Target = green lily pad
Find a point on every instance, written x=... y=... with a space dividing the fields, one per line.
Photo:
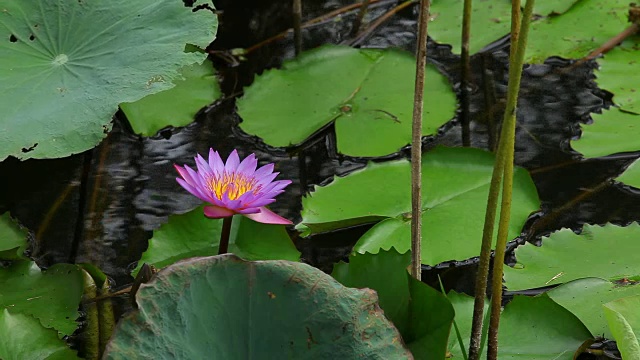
x=553 y=7
x=585 y=297
x=568 y=36
x=177 y=106
x=532 y=328
x=367 y=92
x=617 y=74
x=422 y=314
x=13 y=239
x=455 y=190
x=624 y=321
x=599 y=251
x=66 y=65
x=192 y=234
x=490 y=20
x=613 y=131
x=51 y=296
x=236 y=309
x=22 y=337
x=463 y=306
x=631 y=176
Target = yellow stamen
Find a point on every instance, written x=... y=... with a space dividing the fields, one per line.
x=234 y=184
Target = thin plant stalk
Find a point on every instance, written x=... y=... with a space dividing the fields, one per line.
x=224 y=235
x=515 y=75
x=492 y=206
x=465 y=82
x=297 y=25
x=357 y=24
x=416 y=142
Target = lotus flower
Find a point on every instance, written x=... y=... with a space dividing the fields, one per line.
x=235 y=187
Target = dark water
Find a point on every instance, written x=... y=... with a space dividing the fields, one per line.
x=101 y=206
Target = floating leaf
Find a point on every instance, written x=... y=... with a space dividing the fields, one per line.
x=463 y=306
x=51 y=296
x=239 y=310
x=13 y=239
x=572 y=297
x=532 y=328
x=367 y=92
x=177 y=106
x=66 y=65
x=22 y=337
x=557 y=7
x=599 y=251
x=618 y=74
x=624 y=321
x=631 y=176
x=421 y=314
x=612 y=132
x=192 y=234
x=455 y=187
x=490 y=20
x=568 y=37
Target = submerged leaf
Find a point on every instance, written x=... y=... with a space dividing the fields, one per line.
x=236 y=309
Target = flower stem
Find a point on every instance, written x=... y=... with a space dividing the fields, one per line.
x=224 y=235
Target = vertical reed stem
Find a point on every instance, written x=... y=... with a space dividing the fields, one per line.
x=357 y=24
x=416 y=142
x=509 y=122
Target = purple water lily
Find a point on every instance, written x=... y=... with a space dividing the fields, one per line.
x=235 y=187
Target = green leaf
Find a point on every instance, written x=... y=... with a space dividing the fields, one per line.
x=624 y=322
x=463 y=306
x=612 y=132
x=531 y=328
x=66 y=65
x=236 y=309
x=23 y=338
x=573 y=294
x=631 y=176
x=13 y=239
x=51 y=296
x=568 y=37
x=455 y=190
x=192 y=234
x=618 y=74
x=599 y=251
x=422 y=315
x=177 y=106
x=553 y=7
x=367 y=92
x=490 y=20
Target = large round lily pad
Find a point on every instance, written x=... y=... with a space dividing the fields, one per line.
x=607 y=252
x=624 y=320
x=631 y=176
x=66 y=65
x=367 y=92
x=455 y=190
x=225 y=307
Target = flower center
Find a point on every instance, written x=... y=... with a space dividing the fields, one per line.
x=234 y=185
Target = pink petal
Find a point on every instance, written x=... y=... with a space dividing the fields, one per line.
x=216 y=212
x=263 y=171
x=251 y=210
x=248 y=165
x=203 y=167
x=261 y=202
x=265 y=180
x=267 y=216
x=185 y=175
x=215 y=162
x=232 y=162
x=193 y=190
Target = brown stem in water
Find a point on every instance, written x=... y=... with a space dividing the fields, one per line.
x=297 y=24
x=357 y=24
x=465 y=82
x=379 y=21
x=416 y=142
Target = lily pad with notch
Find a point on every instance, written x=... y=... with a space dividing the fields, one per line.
x=367 y=93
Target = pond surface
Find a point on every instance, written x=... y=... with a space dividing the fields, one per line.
x=101 y=206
